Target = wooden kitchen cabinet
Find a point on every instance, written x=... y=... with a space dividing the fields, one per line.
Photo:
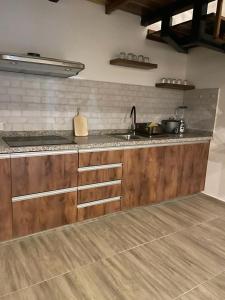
x=99 y=193
x=38 y=173
x=100 y=175
x=195 y=160
x=98 y=210
x=5 y=200
x=100 y=158
x=156 y=174
x=147 y=177
x=37 y=214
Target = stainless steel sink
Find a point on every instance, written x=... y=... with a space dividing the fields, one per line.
x=127 y=137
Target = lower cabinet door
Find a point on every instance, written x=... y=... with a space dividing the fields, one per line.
x=97 y=210
x=143 y=176
x=152 y=175
x=5 y=200
x=193 y=175
x=37 y=214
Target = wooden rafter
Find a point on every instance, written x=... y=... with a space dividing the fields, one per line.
x=216 y=33
x=168 y=35
x=112 y=5
x=200 y=8
x=178 y=6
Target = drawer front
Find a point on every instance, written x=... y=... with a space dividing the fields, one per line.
x=36 y=174
x=100 y=158
x=106 y=173
x=98 y=210
x=98 y=193
x=34 y=215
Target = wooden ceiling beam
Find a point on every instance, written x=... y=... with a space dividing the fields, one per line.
x=112 y=5
x=219 y=10
x=177 y=7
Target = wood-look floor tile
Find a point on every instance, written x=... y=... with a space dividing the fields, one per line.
x=198 y=249
x=123 y=232
x=13 y=273
x=214 y=289
x=166 y=220
x=184 y=210
x=186 y=255
x=183 y=270
x=214 y=205
x=203 y=205
x=162 y=223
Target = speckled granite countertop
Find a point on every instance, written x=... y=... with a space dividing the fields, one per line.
x=102 y=141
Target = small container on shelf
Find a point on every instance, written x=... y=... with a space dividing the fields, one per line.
x=123 y=55
x=140 y=58
x=178 y=84
x=130 y=56
x=163 y=80
x=179 y=81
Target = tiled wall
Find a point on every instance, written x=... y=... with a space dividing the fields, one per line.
x=202 y=104
x=38 y=103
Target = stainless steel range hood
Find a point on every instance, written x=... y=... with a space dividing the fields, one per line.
x=33 y=63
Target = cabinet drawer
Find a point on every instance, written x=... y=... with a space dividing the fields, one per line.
x=42 y=173
x=104 y=173
x=100 y=158
x=97 y=210
x=37 y=214
x=98 y=193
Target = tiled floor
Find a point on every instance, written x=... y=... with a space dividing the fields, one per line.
x=171 y=251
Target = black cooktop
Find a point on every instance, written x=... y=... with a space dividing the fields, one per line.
x=24 y=141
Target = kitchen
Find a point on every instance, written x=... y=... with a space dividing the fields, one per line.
x=113 y=177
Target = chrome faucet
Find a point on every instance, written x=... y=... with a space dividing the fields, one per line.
x=133 y=116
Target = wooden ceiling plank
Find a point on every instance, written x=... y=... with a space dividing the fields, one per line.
x=144 y=5
x=112 y=5
x=178 y=6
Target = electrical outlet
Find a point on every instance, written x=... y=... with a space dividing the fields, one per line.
x=1 y=126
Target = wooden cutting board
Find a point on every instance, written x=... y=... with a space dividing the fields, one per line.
x=80 y=125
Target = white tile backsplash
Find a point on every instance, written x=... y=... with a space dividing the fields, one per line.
x=40 y=103
x=202 y=105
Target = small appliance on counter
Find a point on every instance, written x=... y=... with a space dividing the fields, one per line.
x=180 y=111
x=149 y=129
x=171 y=125
x=175 y=124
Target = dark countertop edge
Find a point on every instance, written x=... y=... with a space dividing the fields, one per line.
x=5 y=149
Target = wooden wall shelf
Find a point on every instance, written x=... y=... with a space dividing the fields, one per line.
x=132 y=64
x=183 y=87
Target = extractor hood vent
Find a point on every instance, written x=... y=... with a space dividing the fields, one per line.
x=33 y=63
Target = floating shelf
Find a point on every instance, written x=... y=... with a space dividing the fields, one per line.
x=132 y=64
x=183 y=87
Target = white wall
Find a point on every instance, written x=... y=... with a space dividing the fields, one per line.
x=80 y=30
x=207 y=69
